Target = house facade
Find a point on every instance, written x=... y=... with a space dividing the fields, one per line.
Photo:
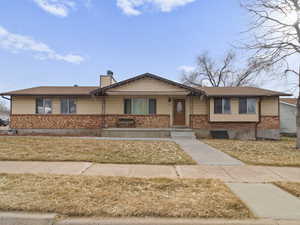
x=288 y=113
x=151 y=102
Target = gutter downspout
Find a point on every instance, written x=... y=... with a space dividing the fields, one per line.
x=259 y=117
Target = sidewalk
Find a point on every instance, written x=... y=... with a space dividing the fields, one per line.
x=233 y=174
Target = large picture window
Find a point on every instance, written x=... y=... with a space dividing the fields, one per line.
x=67 y=106
x=222 y=106
x=139 y=106
x=247 y=105
x=43 y=106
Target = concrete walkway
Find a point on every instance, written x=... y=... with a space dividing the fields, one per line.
x=268 y=201
x=235 y=174
x=205 y=154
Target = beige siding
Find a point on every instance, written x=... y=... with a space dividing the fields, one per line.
x=234 y=116
x=269 y=106
x=149 y=85
x=199 y=105
x=23 y=105
x=26 y=105
x=89 y=105
x=114 y=105
x=163 y=105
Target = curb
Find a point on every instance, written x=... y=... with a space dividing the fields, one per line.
x=18 y=218
x=166 y=221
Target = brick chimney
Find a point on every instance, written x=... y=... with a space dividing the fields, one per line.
x=108 y=79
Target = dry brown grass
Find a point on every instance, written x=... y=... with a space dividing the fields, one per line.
x=119 y=196
x=99 y=151
x=291 y=187
x=270 y=153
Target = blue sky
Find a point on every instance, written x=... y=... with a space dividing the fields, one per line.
x=66 y=42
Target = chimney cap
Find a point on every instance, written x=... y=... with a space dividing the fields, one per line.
x=109 y=72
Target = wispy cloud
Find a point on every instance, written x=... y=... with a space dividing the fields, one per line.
x=59 y=8
x=17 y=43
x=134 y=7
x=186 y=69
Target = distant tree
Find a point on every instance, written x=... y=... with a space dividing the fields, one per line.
x=209 y=72
x=275 y=38
x=3 y=107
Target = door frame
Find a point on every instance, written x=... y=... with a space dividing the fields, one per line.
x=173 y=112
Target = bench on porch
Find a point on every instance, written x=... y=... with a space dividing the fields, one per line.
x=125 y=122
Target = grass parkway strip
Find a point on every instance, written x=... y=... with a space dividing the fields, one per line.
x=120 y=197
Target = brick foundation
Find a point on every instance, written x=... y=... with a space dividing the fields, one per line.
x=55 y=121
x=84 y=121
x=202 y=122
x=141 y=121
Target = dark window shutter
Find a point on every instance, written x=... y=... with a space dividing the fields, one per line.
x=218 y=105
x=152 y=106
x=127 y=106
x=243 y=105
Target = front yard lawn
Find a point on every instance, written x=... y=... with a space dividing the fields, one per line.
x=119 y=196
x=98 y=151
x=268 y=153
x=291 y=187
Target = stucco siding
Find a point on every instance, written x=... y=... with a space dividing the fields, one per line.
x=234 y=116
x=269 y=106
x=288 y=118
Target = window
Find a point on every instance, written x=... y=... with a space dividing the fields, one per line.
x=139 y=106
x=222 y=106
x=43 y=106
x=247 y=105
x=67 y=106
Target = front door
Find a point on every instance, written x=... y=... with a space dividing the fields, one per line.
x=179 y=112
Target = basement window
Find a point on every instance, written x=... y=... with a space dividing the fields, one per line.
x=139 y=106
x=43 y=106
x=67 y=106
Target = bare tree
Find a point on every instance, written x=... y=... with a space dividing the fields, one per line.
x=208 y=72
x=275 y=37
x=3 y=107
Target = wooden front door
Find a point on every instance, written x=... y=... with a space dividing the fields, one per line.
x=179 y=112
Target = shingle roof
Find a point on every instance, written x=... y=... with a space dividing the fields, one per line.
x=292 y=101
x=240 y=91
x=53 y=90
x=208 y=91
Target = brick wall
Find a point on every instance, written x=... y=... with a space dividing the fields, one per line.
x=269 y=122
x=84 y=121
x=55 y=121
x=141 y=121
x=201 y=122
